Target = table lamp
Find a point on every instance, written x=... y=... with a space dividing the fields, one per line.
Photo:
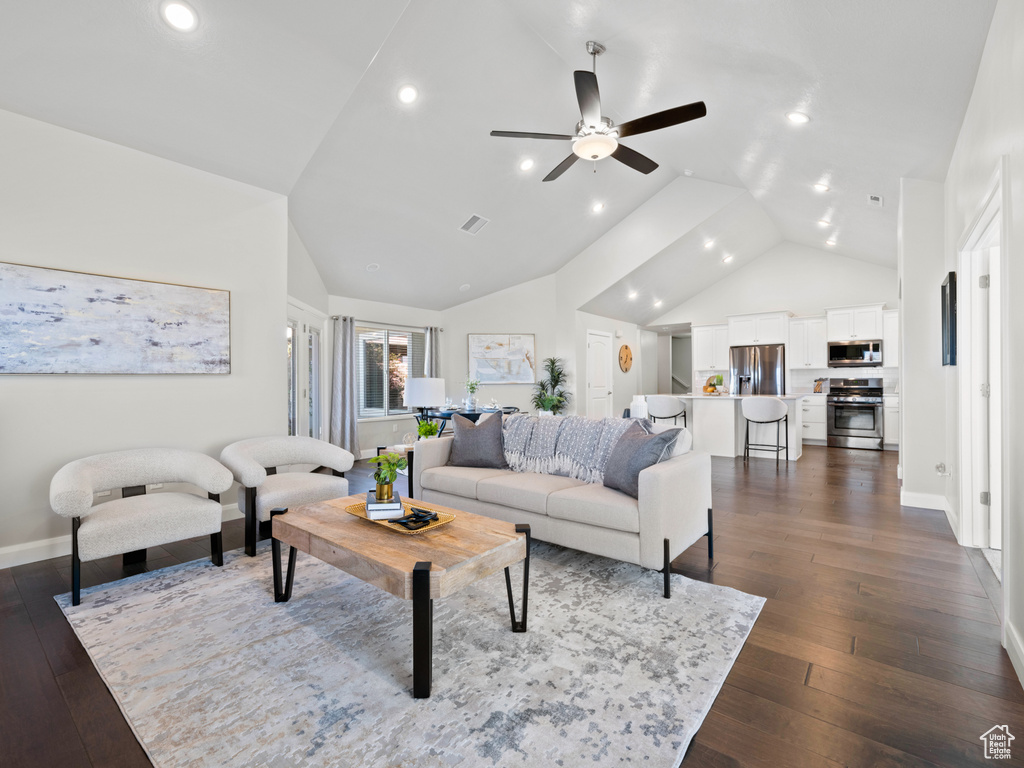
x=423 y=393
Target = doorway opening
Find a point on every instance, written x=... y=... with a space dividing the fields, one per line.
x=599 y=374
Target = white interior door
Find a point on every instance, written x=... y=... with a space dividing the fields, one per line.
x=995 y=401
x=306 y=372
x=980 y=395
x=599 y=374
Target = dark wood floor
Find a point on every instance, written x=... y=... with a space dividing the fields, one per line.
x=878 y=644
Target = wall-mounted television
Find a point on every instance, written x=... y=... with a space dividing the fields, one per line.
x=949 y=319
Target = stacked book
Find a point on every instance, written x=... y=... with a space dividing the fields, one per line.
x=388 y=509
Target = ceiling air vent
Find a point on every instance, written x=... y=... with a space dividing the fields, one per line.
x=474 y=224
x=875 y=201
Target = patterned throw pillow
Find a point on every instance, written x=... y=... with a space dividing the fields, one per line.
x=634 y=452
x=477 y=445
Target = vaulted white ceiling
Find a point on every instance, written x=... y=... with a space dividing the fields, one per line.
x=300 y=98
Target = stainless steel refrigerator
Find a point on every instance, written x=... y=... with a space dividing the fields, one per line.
x=757 y=370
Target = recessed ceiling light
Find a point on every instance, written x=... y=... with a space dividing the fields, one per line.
x=526 y=165
x=821 y=187
x=597 y=207
x=823 y=222
x=464 y=287
x=687 y=172
x=632 y=295
x=179 y=15
x=657 y=303
x=708 y=243
x=830 y=241
x=726 y=259
x=372 y=267
x=798 y=117
x=407 y=94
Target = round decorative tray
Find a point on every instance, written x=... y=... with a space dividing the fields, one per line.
x=443 y=518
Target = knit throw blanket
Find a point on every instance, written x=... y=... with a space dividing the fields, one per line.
x=573 y=446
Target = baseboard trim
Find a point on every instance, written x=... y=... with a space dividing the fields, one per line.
x=923 y=500
x=1015 y=649
x=59 y=546
x=34 y=551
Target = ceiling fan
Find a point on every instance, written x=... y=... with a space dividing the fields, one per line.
x=597 y=137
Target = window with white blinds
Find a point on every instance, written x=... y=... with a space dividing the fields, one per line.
x=385 y=358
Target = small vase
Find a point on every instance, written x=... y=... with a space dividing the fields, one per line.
x=470 y=403
x=384 y=492
x=545 y=413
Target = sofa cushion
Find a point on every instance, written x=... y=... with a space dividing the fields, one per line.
x=479 y=444
x=596 y=505
x=459 y=481
x=523 y=490
x=635 y=452
x=290 y=489
x=138 y=522
x=683 y=444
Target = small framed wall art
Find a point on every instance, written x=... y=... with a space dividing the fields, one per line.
x=57 y=321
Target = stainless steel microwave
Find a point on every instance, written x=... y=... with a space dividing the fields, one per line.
x=855 y=354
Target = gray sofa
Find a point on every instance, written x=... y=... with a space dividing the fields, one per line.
x=672 y=512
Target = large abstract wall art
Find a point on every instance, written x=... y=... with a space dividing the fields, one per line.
x=54 y=321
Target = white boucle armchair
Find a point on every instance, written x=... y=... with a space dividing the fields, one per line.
x=127 y=526
x=254 y=463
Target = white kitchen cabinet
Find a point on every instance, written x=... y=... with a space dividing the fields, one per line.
x=815 y=413
x=764 y=328
x=891 y=338
x=807 y=346
x=710 y=348
x=891 y=419
x=854 y=323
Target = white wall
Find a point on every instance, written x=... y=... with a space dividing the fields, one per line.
x=304 y=281
x=923 y=398
x=993 y=128
x=790 y=277
x=648 y=362
x=71 y=201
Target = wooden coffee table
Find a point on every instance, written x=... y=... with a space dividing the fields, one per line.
x=421 y=568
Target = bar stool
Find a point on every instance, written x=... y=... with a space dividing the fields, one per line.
x=665 y=407
x=761 y=409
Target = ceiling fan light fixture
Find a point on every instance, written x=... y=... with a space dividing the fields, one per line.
x=594 y=146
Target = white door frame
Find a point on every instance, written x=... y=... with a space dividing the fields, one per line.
x=305 y=316
x=989 y=227
x=611 y=388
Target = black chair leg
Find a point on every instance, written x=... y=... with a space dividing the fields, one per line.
x=251 y=524
x=711 y=534
x=778 y=442
x=668 y=571
x=746 y=444
x=217 y=548
x=76 y=564
x=787 y=439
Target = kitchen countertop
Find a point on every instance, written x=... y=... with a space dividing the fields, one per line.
x=738 y=397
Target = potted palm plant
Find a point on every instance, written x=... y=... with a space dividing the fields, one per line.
x=551 y=394
x=388 y=465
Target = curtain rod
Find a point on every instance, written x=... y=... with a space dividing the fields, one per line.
x=397 y=325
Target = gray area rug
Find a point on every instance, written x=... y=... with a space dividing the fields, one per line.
x=209 y=671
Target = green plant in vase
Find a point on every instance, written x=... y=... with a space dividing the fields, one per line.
x=472 y=387
x=552 y=386
x=388 y=465
x=427 y=428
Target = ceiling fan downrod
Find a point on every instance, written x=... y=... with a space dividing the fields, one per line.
x=595 y=49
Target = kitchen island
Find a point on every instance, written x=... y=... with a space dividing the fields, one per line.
x=718 y=427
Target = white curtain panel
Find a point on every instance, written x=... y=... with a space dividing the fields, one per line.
x=432 y=365
x=344 y=405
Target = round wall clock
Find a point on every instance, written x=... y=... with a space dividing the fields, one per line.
x=625 y=358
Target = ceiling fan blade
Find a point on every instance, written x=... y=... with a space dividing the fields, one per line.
x=664 y=119
x=562 y=167
x=634 y=159
x=588 y=96
x=522 y=135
